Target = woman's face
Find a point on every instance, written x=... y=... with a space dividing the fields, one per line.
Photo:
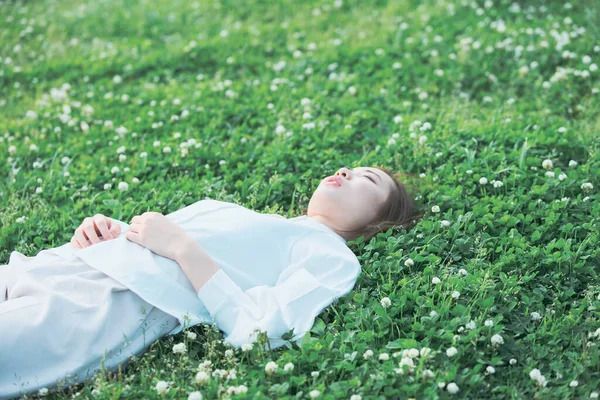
x=353 y=204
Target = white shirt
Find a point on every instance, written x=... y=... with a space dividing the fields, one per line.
x=276 y=273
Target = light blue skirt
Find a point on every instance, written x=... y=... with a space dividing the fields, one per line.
x=60 y=319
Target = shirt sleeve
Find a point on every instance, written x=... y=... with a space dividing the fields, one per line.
x=319 y=271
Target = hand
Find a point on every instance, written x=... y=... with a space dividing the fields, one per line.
x=87 y=233
x=155 y=232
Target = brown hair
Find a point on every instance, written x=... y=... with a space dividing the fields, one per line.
x=400 y=210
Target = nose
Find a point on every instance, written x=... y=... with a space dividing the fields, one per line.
x=345 y=172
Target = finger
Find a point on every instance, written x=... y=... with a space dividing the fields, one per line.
x=136 y=219
x=133 y=236
x=75 y=243
x=135 y=228
x=80 y=237
x=115 y=230
x=100 y=222
x=91 y=234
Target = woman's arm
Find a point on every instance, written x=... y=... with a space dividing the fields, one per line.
x=197 y=265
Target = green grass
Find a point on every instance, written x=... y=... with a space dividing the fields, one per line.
x=528 y=246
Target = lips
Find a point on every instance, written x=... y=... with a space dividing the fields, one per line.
x=335 y=179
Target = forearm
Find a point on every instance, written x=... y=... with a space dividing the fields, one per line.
x=197 y=265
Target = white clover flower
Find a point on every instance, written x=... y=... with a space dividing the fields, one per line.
x=455 y=294
x=535 y=374
x=162 y=387
x=114 y=170
x=368 y=354
x=550 y=174
x=547 y=164
x=497 y=339
x=441 y=385
x=587 y=186
x=573 y=163
x=435 y=280
x=483 y=181
x=43 y=391
x=497 y=184
x=202 y=377
x=489 y=322
x=593 y=68
x=397 y=119
x=384 y=356
x=406 y=361
x=463 y=272
x=469 y=171
x=107 y=186
x=512 y=361
x=195 y=396
x=33 y=147
x=562 y=129
x=179 y=348
x=452 y=388
x=271 y=367
x=413 y=353
x=123 y=186
x=280 y=129
x=305 y=101
x=409 y=262
x=191 y=335
x=562 y=176
x=314 y=374
x=445 y=223
x=288 y=367
x=490 y=369
x=435 y=209
x=594 y=395
x=574 y=383
x=222 y=162
x=386 y=302
x=451 y=352
x=470 y=325
x=247 y=346
x=314 y=394
x=536 y=316
x=425 y=351
x=352 y=90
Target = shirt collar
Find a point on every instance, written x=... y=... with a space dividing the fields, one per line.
x=317 y=224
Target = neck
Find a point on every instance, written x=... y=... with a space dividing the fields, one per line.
x=327 y=223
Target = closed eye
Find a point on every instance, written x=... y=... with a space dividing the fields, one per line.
x=371 y=179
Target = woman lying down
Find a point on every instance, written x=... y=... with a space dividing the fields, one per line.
x=116 y=288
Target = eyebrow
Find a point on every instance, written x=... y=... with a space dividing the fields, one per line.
x=373 y=172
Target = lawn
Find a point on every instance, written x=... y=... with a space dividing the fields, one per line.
x=124 y=106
